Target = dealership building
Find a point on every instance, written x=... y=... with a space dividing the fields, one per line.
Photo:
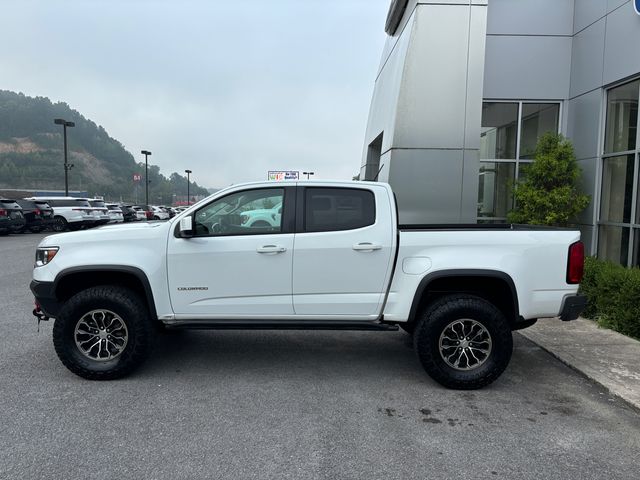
x=465 y=89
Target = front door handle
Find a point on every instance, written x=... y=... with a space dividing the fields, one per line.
x=366 y=247
x=271 y=249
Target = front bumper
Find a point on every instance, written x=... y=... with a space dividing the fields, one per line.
x=572 y=307
x=46 y=297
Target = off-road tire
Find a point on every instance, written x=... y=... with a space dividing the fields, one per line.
x=435 y=319
x=133 y=312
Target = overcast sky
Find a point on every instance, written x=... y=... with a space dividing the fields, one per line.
x=229 y=89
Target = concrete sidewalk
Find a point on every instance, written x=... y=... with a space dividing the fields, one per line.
x=604 y=356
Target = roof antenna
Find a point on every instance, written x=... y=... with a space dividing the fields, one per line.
x=377 y=174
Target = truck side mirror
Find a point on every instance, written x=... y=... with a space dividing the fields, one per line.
x=186 y=227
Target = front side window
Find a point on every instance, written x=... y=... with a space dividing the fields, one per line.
x=334 y=209
x=249 y=212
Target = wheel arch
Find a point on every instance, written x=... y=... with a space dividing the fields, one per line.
x=75 y=279
x=494 y=286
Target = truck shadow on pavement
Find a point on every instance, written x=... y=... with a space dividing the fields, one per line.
x=336 y=353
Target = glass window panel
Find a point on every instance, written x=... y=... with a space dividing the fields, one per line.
x=495 y=192
x=635 y=261
x=617 y=189
x=638 y=195
x=522 y=170
x=248 y=212
x=499 y=131
x=613 y=244
x=334 y=209
x=537 y=119
x=622 y=118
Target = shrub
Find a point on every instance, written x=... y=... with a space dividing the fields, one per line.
x=549 y=193
x=613 y=292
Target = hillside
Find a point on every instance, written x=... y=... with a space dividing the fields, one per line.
x=31 y=154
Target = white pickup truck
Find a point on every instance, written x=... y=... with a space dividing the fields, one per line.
x=336 y=259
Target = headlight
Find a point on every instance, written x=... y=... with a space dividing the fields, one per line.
x=44 y=255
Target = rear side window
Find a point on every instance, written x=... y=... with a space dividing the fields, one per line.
x=331 y=209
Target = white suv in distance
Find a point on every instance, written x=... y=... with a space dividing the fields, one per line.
x=99 y=211
x=141 y=214
x=159 y=213
x=115 y=213
x=69 y=212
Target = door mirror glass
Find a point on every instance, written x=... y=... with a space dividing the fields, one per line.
x=186 y=227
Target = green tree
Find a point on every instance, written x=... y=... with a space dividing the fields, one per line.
x=549 y=193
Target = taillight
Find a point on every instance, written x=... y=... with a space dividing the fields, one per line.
x=37 y=212
x=575 y=265
x=3 y=212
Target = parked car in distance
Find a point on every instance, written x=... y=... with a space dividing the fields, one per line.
x=265 y=217
x=170 y=211
x=11 y=217
x=100 y=211
x=143 y=214
x=115 y=213
x=159 y=213
x=37 y=214
x=128 y=213
x=69 y=212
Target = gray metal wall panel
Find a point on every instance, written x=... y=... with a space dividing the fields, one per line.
x=428 y=185
x=587 y=59
x=588 y=183
x=431 y=106
x=527 y=67
x=391 y=42
x=475 y=77
x=586 y=235
x=384 y=104
x=584 y=123
x=530 y=17
x=469 y=200
x=622 y=55
x=613 y=4
x=587 y=12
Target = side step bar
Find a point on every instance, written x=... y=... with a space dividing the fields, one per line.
x=280 y=325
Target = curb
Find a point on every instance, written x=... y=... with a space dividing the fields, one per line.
x=610 y=387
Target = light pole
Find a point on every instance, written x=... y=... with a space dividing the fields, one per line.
x=188 y=172
x=67 y=166
x=307 y=174
x=146 y=154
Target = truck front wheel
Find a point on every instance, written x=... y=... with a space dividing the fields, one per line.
x=103 y=333
x=463 y=342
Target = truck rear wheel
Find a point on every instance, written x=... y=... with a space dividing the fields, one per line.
x=103 y=333
x=59 y=224
x=463 y=342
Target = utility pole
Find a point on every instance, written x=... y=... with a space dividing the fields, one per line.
x=146 y=154
x=188 y=172
x=67 y=166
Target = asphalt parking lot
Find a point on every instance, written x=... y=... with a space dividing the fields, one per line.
x=334 y=405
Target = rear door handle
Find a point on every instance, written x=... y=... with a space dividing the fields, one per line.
x=366 y=247
x=271 y=249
